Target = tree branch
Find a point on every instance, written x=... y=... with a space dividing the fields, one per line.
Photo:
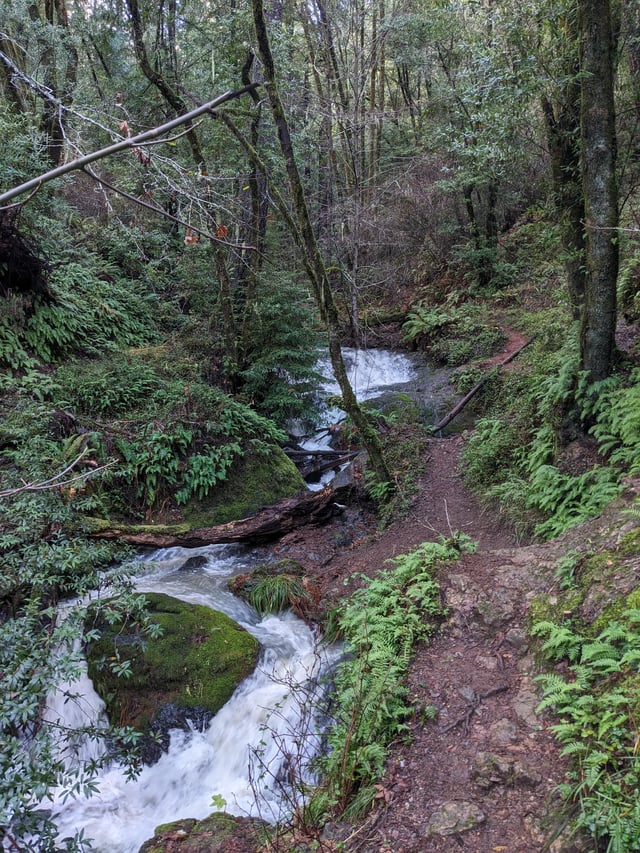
x=56 y=481
x=124 y=144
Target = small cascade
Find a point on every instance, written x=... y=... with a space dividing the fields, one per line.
x=266 y=732
x=74 y=708
x=244 y=756
x=370 y=371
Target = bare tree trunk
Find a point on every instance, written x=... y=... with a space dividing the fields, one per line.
x=597 y=334
x=312 y=258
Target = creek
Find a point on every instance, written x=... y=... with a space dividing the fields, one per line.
x=241 y=758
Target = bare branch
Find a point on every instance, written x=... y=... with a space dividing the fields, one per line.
x=57 y=480
x=154 y=209
x=124 y=144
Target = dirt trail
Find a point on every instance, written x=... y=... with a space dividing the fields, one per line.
x=480 y=776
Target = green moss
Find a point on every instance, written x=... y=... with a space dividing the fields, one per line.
x=99 y=525
x=198 y=661
x=255 y=480
x=614 y=611
x=214 y=834
x=630 y=544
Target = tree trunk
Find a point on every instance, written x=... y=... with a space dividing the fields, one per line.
x=597 y=334
x=562 y=121
x=313 y=261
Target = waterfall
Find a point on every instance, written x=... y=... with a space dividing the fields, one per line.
x=243 y=755
x=265 y=731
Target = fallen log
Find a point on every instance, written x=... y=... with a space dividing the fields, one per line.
x=267 y=524
x=471 y=394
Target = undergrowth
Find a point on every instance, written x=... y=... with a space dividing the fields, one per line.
x=598 y=706
x=381 y=624
x=518 y=456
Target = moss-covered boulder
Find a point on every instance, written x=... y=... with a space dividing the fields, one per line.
x=254 y=480
x=196 y=664
x=219 y=833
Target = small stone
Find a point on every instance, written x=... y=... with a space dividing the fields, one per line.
x=504 y=731
x=525 y=704
x=454 y=817
x=517 y=638
x=489 y=662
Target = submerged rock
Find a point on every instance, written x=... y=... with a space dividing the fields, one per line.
x=196 y=664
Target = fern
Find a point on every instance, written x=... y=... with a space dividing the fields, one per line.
x=597 y=710
x=381 y=624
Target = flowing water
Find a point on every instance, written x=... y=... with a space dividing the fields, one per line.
x=245 y=754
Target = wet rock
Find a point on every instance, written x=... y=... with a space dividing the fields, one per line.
x=167 y=717
x=489 y=662
x=196 y=562
x=468 y=693
x=454 y=817
x=492 y=769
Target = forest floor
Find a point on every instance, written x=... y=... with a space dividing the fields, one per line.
x=480 y=776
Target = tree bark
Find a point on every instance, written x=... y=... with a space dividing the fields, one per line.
x=562 y=120
x=312 y=258
x=597 y=334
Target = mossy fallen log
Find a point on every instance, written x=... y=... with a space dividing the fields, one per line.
x=268 y=524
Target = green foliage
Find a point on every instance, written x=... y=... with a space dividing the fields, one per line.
x=567 y=500
x=451 y=334
x=490 y=451
x=44 y=558
x=616 y=409
x=280 y=376
x=105 y=388
x=598 y=708
x=88 y=314
x=380 y=624
x=271 y=594
x=515 y=455
x=175 y=441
